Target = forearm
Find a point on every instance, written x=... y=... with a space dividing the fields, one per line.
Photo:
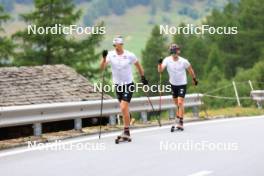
x=191 y=72
x=102 y=64
x=141 y=72
x=160 y=68
x=140 y=69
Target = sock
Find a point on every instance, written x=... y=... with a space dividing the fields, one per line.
x=181 y=120
x=126 y=131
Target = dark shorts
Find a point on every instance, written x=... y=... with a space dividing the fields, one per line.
x=124 y=92
x=178 y=91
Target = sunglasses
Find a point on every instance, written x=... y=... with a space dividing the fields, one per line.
x=173 y=51
x=115 y=45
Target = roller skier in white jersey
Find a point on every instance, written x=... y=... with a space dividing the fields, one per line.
x=176 y=67
x=121 y=62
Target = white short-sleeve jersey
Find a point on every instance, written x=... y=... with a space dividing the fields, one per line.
x=176 y=70
x=121 y=66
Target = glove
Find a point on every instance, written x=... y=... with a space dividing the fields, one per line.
x=104 y=53
x=144 y=81
x=195 y=81
x=160 y=61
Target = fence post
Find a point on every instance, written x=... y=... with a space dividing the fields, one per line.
x=144 y=116
x=171 y=113
x=78 y=124
x=195 y=111
x=37 y=128
x=237 y=97
x=250 y=84
x=112 y=119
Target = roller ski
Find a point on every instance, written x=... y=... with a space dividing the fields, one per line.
x=124 y=137
x=179 y=127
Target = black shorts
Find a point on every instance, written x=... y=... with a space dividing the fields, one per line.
x=124 y=92
x=178 y=91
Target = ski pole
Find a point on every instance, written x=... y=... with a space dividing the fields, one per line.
x=152 y=107
x=203 y=104
x=101 y=107
x=160 y=80
x=104 y=53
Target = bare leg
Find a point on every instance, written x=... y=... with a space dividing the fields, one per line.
x=181 y=107
x=126 y=116
x=177 y=107
x=181 y=111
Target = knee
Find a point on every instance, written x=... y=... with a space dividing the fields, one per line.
x=123 y=107
x=180 y=103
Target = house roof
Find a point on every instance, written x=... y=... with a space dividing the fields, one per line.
x=44 y=84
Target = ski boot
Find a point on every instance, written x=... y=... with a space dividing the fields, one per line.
x=124 y=137
x=179 y=127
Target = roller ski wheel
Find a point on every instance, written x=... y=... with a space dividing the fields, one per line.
x=180 y=128
x=172 y=129
x=122 y=139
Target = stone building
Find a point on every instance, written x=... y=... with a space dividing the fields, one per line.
x=43 y=84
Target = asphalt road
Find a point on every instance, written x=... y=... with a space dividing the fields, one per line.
x=219 y=147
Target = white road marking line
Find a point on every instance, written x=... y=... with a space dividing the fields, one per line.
x=201 y=173
x=114 y=134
